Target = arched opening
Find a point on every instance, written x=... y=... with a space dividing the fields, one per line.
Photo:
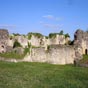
x=86 y=51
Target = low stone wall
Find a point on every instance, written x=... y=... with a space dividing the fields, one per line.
x=55 y=55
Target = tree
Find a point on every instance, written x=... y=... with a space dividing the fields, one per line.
x=61 y=32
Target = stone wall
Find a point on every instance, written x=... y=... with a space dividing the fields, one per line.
x=35 y=41
x=4 y=35
x=55 y=54
x=22 y=40
x=59 y=39
x=81 y=43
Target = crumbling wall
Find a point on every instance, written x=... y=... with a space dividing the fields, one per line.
x=55 y=55
x=81 y=43
x=58 y=40
x=22 y=40
x=4 y=35
x=35 y=41
x=61 y=54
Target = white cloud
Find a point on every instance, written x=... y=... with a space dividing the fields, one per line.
x=51 y=17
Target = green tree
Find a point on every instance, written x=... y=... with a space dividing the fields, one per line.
x=61 y=32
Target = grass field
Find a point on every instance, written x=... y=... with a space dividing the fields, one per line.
x=42 y=75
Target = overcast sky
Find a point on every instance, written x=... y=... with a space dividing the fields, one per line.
x=44 y=16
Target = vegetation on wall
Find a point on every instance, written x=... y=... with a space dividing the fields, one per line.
x=46 y=37
x=67 y=35
x=16 y=34
x=85 y=59
x=14 y=54
x=61 y=32
x=29 y=35
x=48 y=49
x=38 y=35
x=53 y=35
x=16 y=44
x=26 y=50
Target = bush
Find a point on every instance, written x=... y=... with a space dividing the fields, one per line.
x=67 y=35
x=29 y=36
x=26 y=50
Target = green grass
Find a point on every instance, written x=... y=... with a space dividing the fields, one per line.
x=11 y=55
x=42 y=75
x=15 y=55
x=85 y=59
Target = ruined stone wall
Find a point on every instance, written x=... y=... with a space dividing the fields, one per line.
x=35 y=41
x=4 y=35
x=58 y=40
x=22 y=40
x=81 y=43
x=55 y=55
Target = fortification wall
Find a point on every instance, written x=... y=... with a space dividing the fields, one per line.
x=35 y=41
x=55 y=55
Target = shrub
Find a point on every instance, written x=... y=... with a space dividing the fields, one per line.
x=46 y=37
x=67 y=35
x=48 y=49
x=26 y=50
x=29 y=36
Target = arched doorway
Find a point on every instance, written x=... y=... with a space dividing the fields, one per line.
x=86 y=51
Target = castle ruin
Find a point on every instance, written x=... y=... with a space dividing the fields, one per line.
x=52 y=49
